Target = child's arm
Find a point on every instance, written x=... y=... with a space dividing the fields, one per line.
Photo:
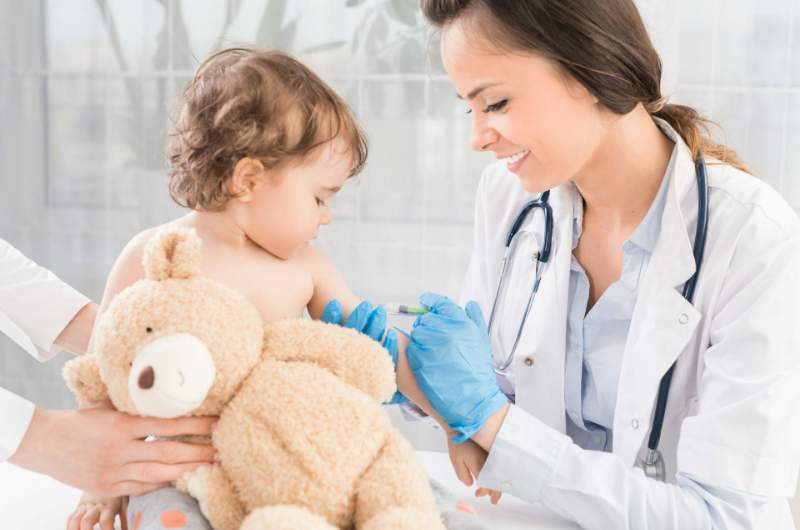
x=329 y=285
x=467 y=458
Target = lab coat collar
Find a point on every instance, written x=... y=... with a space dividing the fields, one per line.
x=673 y=257
x=663 y=321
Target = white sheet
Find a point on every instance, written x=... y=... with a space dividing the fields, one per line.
x=29 y=501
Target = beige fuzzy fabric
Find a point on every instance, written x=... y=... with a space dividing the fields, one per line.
x=303 y=439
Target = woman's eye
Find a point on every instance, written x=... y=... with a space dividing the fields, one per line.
x=496 y=106
x=320 y=202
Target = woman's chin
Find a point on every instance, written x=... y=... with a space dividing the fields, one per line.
x=536 y=183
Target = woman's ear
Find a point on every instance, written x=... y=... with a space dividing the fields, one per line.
x=247 y=174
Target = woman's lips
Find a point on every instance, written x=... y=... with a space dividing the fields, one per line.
x=514 y=166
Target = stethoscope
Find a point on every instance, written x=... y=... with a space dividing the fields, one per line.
x=653 y=462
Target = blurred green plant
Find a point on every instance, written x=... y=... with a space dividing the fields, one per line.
x=391 y=37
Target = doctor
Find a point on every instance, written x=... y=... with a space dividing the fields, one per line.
x=566 y=94
x=96 y=450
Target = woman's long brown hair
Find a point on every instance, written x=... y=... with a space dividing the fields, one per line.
x=603 y=44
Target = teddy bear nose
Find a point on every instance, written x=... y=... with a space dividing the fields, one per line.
x=147 y=378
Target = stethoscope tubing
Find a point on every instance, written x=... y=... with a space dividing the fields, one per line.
x=542 y=256
x=701 y=233
x=654 y=459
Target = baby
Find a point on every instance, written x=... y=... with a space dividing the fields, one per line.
x=260 y=147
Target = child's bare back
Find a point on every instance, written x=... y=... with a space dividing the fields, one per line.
x=278 y=288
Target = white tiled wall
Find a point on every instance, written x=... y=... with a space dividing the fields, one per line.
x=86 y=86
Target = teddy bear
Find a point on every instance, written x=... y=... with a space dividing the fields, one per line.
x=303 y=440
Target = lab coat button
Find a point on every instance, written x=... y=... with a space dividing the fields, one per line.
x=529 y=361
x=683 y=318
x=505 y=485
x=635 y=424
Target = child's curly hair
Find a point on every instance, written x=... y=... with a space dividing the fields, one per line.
x=263 y=105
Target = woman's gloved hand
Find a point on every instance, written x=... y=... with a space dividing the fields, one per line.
x=370 y=321
x=450 y=355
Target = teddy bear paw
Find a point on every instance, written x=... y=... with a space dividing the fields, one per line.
x=191 y=481
x=284 y=518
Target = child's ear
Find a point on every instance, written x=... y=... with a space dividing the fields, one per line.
x=83 y=377
x=248 y=173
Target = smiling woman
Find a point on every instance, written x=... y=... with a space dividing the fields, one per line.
x=568 y=61
x=567 y=96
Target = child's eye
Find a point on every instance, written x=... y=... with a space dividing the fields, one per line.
x=496 y=106
x=320 y=202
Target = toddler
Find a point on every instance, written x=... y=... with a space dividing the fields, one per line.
x=259 y=148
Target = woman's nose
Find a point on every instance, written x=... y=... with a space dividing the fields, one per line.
x=482 y=136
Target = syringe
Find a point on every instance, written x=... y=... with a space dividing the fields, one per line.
x=402 y=309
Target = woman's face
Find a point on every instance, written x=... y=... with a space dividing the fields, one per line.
x=524 y=108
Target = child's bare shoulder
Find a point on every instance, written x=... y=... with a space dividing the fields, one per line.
x=329 y=284
x=315 y=262
x=127 y=268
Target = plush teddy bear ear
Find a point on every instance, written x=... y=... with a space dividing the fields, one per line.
x=83 y=377
x=174 y=252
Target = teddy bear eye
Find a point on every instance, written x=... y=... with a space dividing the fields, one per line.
x=149 y=329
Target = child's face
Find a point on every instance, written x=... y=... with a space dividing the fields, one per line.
x=287 y=209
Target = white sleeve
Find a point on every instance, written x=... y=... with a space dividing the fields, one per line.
x=736 y=457
x=16 y=414
x=35 y=306
x=534 y=462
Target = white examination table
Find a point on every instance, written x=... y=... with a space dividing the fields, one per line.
x=29 y=501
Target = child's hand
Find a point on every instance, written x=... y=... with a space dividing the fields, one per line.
x=494 y=496
x=92 y=510
x=468 y=459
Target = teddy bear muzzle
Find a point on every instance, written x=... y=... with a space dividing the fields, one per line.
x=171 y=376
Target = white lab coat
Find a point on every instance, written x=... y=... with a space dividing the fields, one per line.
x=35 y=307
x=732 y=415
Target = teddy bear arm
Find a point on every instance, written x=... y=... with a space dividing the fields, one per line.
x=82 y=376
x=395 y=493
x=216 y=496
x=355 y=358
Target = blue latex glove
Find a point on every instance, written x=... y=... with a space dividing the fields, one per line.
x=364 y=318
x=450 y=355
x=371 y=322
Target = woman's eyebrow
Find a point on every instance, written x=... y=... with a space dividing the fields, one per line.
x=475 y=91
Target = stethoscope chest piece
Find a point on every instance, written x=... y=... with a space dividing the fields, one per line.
x=653 y=465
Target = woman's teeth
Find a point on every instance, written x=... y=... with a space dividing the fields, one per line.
x=515 y=157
